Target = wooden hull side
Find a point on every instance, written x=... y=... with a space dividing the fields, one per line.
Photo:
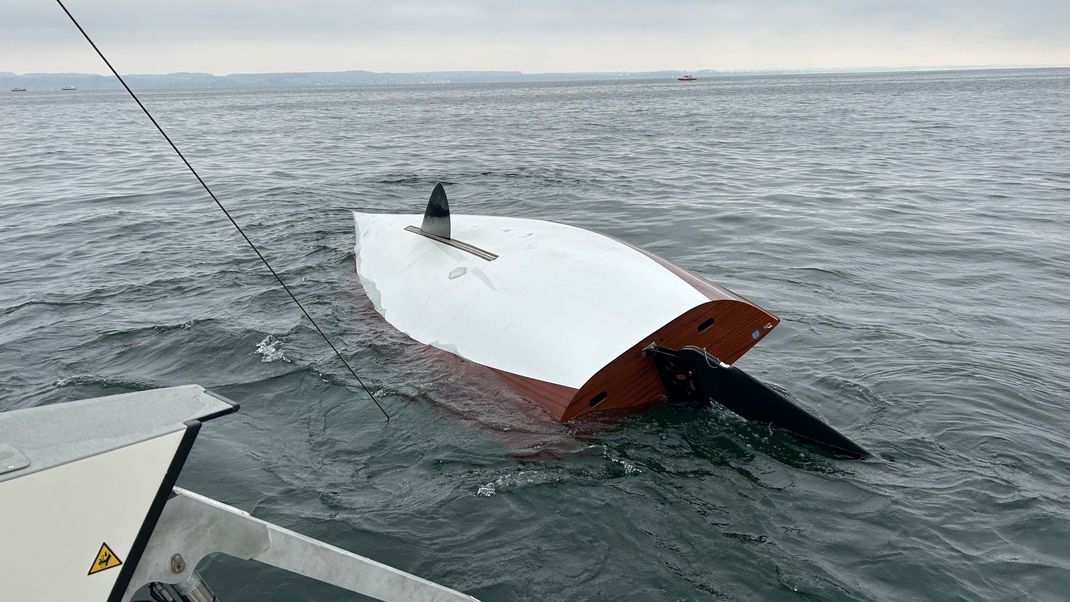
x=632 y=382
x=553 y=398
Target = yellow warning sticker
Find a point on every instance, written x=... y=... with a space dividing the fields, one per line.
x=105 y=560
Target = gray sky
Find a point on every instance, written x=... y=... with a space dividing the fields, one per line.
x=233 y=36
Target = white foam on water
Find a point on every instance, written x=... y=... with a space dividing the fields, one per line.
x=271 y=349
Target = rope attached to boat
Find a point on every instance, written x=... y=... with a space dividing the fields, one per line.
x=224 y=209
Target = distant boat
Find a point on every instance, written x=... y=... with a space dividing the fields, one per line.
x=687 y=78
x=68 y=88
x=18 y=89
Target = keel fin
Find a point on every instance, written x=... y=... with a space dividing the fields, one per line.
x=437 y=215
x=689 y=374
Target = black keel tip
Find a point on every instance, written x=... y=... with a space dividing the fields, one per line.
x=437 y=215
x=689 y=374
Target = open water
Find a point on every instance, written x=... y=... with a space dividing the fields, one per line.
x=912 y=230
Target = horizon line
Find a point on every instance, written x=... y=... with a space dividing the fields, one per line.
x=776 y=70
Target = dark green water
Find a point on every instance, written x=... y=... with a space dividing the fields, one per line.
x=911 y=230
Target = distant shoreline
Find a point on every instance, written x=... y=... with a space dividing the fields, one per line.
x=195 y=81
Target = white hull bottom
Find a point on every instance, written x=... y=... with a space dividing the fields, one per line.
x=560 y=313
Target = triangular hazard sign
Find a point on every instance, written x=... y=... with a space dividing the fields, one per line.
x=105 y=560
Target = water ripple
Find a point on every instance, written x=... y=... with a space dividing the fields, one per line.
x=910 y=229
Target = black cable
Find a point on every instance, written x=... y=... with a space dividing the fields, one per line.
x=224 y=209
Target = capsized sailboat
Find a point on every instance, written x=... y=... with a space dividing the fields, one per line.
x=575 y=320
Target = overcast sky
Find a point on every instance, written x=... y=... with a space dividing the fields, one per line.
x=236 y=36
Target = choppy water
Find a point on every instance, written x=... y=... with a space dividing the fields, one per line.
x=910 y=229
